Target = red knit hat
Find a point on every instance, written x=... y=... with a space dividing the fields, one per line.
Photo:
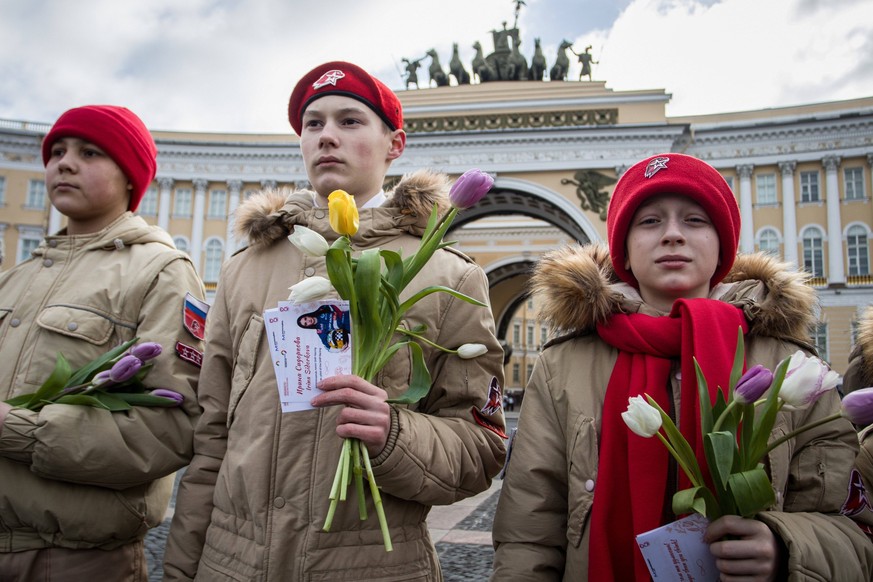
x=118 y=132
x=342 y=78
x=673 y=174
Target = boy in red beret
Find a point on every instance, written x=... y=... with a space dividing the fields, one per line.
x=253 y=502
x=81 y=486
x=669 y=289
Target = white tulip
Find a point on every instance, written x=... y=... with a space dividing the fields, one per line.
x=470 y=351
x=641 y=417
x=806 y=380
x=308 y=241
x=310 y=289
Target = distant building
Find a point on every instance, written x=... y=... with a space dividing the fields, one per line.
x=802 y=176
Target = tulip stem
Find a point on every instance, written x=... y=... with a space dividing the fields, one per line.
x=802 y=429
x=721 y=418
x=377 y=501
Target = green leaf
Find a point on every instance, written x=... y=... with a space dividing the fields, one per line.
x=81 y=400
x=682 y=450
x=136 y=399
x=112 y=401
x=419 y=385
x=437 y=289
x=696 y=500
x=86 y=372
x=339 y=271
x=393 y=268
x=706 y=416
x=739 y=360
x=720 y=447
x=766 y=418
x=19 y=401
x=752 y=491
x=54 y=384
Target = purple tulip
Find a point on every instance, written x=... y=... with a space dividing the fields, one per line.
x=125 y=368
x=176 y=398
x=470 y=188
x=857 y=406
x=753 y=384
x=146 y=351
x=101 y=378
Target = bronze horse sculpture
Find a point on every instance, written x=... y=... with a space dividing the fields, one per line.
x=558 y=72
x=437 y=74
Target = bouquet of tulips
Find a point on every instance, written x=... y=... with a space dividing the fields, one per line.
x=372 y=283
x=736 y=428
x=113 y=381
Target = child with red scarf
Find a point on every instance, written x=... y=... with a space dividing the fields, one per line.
x=580 y=485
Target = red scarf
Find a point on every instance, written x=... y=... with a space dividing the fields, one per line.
x=632 y=475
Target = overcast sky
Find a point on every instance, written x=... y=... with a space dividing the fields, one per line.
x=230 y=65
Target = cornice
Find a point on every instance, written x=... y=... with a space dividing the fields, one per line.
x=512 y=120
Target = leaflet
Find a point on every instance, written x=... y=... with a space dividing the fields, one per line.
x=308 y=342
x=677 y=551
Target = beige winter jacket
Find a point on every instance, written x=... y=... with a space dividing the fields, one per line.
x=541 y=526
x=77 y=476
x=253 y=502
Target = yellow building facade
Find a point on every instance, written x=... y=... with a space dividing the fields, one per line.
x=802 y=177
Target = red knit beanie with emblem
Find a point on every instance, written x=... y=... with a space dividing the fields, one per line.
x=342 y=78
x=673 y=174
x=119 y=133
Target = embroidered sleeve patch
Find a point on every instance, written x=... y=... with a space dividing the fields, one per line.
x=487 y=423
x=194 y=316
x=189 y=354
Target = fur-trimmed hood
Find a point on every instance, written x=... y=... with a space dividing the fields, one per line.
x=576 y=288
x=272 y=214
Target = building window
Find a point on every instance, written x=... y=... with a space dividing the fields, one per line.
x=768 y=242
x=766 y=186
x=530 y=335
x=820 y=339
x=181 y=243
x=149 y=204
x=854 y=183
x=859 y=257
x=529 y=371
x=516 y=334
x=544 y=335
x=2 y=190
x=29 y=238
x=218 y=204
x=813 y=252
x=809 y=187
x=730 y=181
x=35 y=195
x=212 y=267
x=182 y=203
x=530 y=303
x=516 y=373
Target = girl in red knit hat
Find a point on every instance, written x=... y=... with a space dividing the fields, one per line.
x=669 y=289
x=81 y=486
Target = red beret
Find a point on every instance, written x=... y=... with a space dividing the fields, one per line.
x=673 y=174
x=342 y=78
x=118 y=132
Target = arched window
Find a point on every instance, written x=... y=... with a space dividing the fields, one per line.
x=813 y=251
x=768 y=242
x=181 y=243
x=859 y=257
x=212 y=267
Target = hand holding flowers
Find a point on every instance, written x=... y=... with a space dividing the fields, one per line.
x=372 y=283
x=113 y=381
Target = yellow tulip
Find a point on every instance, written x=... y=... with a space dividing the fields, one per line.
x=343 y=212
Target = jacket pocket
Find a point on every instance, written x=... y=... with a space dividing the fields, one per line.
x=244 y=363
x=582 y=477
x=80 y=333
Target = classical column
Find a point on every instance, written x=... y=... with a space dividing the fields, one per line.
x=789 y=212
x=233 y=190
x=269 y=184
x=869 y=193
x=747 y=229
x=54 y=224
x=836 y=266
x=197 y=226
x=166 y=186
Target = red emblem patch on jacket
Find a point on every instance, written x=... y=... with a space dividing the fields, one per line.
x=189 y=354
x=492 y=405
x=856 y=502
